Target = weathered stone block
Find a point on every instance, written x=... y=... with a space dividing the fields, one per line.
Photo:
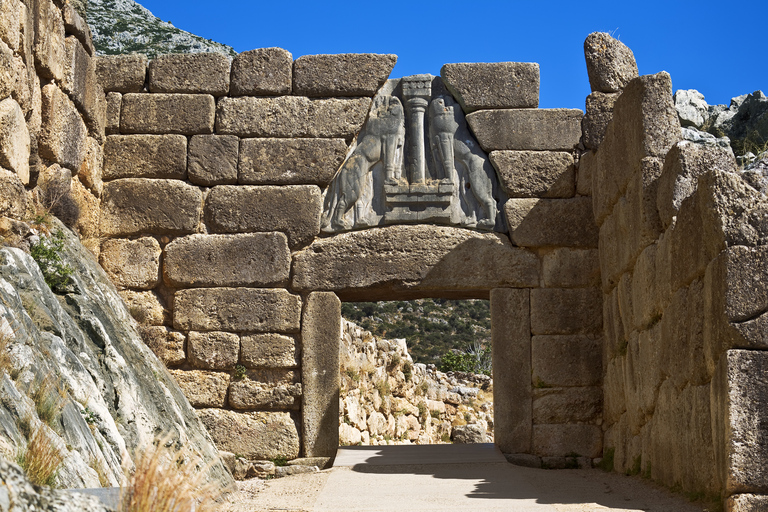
x=14 y=139
x=187 y=114
x=346 y=74
x=562 y=440
x=13 y=200
x=245 y=209
x=203 y=389
x=75 y=24
x=402 y=260
x=266 y=389
x=512 y=390
x=570 y=268
x=254 y=435
x=132 y=263
x=746 y=503
x=567 y=405
x=168 y=345
x=262 y=72
x=566 y=361
x=201 y=73
x=646 y=303
x=291 y=116
x=268 y=351
x=62 y=139
x=493 y=85
x=9 y=72
x=213 y=159
x=535 y=173
x=79 y=81
x=161 y=207
x=256 y=259
x=610 y=64
x=237 y=309
x=49 y=40
x=566 y=311
x=290 y=161
x=213 y=350
x=586 y=169
x=121 y=73
x=320 y=328
x=91 y=171
x=145 y=156
x=10 y=20
x=551 y=222
x=148 y=308
x=112 y=121
x=599 y=112
x=534 y=129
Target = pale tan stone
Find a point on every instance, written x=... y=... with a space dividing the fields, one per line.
x=535 y=173
x=132 y=263
x=87 y=223
x=254 y=435
x=145 y=156
x=566 y=361
x=290 y=161
x=80 y=83
x=168 y=345
x=610 y=64
x=484 y=85
x=266 y=389
x=346 y=74
x=268 y=350
x=121 y=73
x=570 y=268
x=213 y=350
x=566 y=311
x=63 y=133
x=237 y=309
x=76 y=25
x=567 y=405
x=562 y=440
x=49 y=39
x=526 y=129
x=398 y=261
x=202 y=73
x=10 y=22
x=112 y=120
x=14 y=139
x=599 y=112
x=203 y=389
x=584 y=173
x=147 y=307
x=13 y=200
x=262 y=72
x=213 y=159
x=551 y=222
x=746 y=503
x=186 y=114
x=90 y=173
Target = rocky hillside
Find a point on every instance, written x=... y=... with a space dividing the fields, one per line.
x=124 y=26
x=386 y=398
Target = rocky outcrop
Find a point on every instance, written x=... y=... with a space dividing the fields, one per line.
x=387 y=399
x=76 y=371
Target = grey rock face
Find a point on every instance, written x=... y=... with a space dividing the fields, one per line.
x=756 y=173
x=493 y=85
x=691 y=108
x=464 y=434
x=610 y=64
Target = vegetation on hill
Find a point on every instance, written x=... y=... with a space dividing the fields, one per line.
x=452 y=334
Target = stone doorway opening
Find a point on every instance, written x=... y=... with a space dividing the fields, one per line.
x=416 y=372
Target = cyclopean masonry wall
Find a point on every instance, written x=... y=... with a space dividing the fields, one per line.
x=220 y=207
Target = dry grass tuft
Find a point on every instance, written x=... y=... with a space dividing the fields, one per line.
x=40 y=460
x=7 y=335
x=49 y=399
x=168 y=480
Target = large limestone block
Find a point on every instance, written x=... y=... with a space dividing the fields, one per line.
x=599 y=112
x=213 y=350
x=551 y=222
x=62 y=139
x=587 y=163
x=8 y=72
x=213 y=159
x=187 y=114
x=685 y=162
x=10 y=20
x=294 y=210
x=512 y=390
x=268 y=350
x=610 y=64
x=145 y=156
x=112 y=119
x=81 y=84
x=253 y=259
x=527 y=129
x=262 y=72
x=645 y=124
x=411 y=260
x=132 y=263
x=49 y=40
x=345 y=74
x=266 y=389
x=203 y=389
x=566 y=311
x=14 y=139
x=121 y=73
x=147 y=307
x=566 y=440
x=13 y=200
x=254 y=435
x=75 y=24
x=237 y=309
x=291 y=116
x=570 y=268
x=168 y=345
x=320 y=328
x=567 y=405
x=746 y=503
x=133 y=206
x=290 y=161
x=91 y=172
x=535 y=173
x=493 y=85
x=201 y=73
x=566 y=361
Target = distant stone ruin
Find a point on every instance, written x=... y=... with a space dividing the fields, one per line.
x=236 y=204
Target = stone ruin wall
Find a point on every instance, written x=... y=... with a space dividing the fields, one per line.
x=185 y=199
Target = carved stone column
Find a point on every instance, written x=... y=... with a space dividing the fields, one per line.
x=417 y=90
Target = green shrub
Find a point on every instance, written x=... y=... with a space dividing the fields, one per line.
x=47 y=254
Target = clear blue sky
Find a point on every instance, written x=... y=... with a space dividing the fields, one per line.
x=715 y=47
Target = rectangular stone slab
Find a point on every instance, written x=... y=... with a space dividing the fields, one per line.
x=145 y=156
x=274 y=161
x=237 y=309
x=482 y=85
x=187 y=114
x=535 y=129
